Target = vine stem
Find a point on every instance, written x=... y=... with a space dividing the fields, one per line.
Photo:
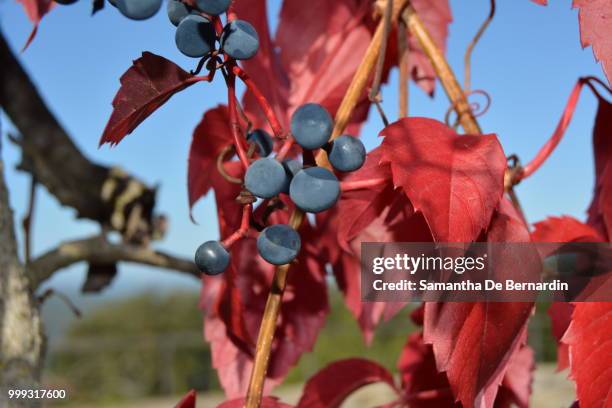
x=562 y=125
x=268 y=326
x=443 y=71
x=239 y=142
x=244 y=227
x=272 y=308
x=352 y=96
x=261 y=100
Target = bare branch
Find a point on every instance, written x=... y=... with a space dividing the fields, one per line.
x=103 y=194
x=99 y=250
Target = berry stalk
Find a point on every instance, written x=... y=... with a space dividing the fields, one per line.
x=244 y=227
x=261 y=100
x=239 y=142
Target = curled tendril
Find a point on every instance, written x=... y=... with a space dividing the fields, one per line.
x=475 y=107
x=221 y=158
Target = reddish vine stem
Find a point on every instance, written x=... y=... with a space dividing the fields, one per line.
x=564 y=122
x=285 y=148
x=247 y=210
x=261 y=100
x=362 y=184
x=239 y=141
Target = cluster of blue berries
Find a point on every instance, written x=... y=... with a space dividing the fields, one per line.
x=311 y=188
x=195 y=31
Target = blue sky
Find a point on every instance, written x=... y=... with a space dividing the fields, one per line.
x=528 y=61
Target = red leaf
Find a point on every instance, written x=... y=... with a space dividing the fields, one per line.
x=595 y=30
x=265 y=68
x=436 y=16
x=563 y=229
x=541 y=2
x=188 y=401
x=515 y=389
x=358 y=208
x=147 y=85
x=334 y=383
x=381 y=214
x=36 y=10
x=312 y=62
x=474 y=342
x=600 y=210
x=266 y=402
x=234 y=310
x=589 y=337
x=455 y=181
x=560 y=230
x=210 y=137
x=418 y=372
x=560 y=314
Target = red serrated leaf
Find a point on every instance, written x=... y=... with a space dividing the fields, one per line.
x=188 y=401
x=595 y=30
x=333 y=384
x=418 y=373
x=148 y=84
x=455 y=181
x=36 y=10
x=589 y=338
x=266 y=402
x=541 y=2
x=474 y=342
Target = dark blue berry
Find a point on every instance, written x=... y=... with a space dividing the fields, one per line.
x=311 y=126
x=314 y=189
x=265 y=178
x=213 y=7
x=347 y=153
x=263 y=140
x=292 y=167
x=65 y=2
x=239 y=40
x=195 y=36
x=138 y=9
x=212 y=258
x=279 y=244
x=177 y=10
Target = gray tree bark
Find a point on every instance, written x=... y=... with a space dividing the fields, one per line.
x=21 y=336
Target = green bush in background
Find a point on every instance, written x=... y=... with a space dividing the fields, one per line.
x=151 y=345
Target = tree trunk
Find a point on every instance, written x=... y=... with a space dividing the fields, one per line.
x=21 y=337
